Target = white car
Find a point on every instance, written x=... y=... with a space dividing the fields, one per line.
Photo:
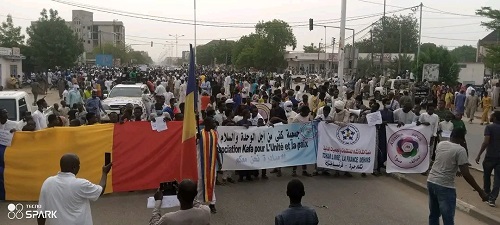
x=123 y=94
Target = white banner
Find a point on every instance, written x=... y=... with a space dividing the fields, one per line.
x=267 y=147
x=408 y=148
x=350 y=148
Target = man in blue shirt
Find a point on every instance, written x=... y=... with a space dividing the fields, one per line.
x=296 y=213
x=94 y=104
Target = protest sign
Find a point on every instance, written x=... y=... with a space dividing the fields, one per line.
x=408 y=148
x=6 y=137
x=267 y=147
x=342 y=148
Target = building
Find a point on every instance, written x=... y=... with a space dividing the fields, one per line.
x=492 y=38
x=311 y=62
x=11 y=63
x=95 y=33
x=471 y=73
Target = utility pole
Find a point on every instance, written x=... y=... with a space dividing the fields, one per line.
x=371 y=40
x=383 y=42
x=100 y=41
x=333 y=52
x=341 y=45
x=419 y=38
x=400 y=41
x=176 y=37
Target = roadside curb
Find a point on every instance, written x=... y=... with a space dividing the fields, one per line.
x=461 y=205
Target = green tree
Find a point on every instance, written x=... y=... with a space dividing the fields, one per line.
x=432 y=54
x=400 y=65
x=265 y=48
x=465 y=53
x=139 y=57
x=215 y=52
x=53 y=42
x=492 y=58
x=10 y=36
x=120 y=51
x=402 y=26
x=312 y=49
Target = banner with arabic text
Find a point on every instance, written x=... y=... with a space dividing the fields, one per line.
x=267 y=147
x=350 y=148
x=408 y=148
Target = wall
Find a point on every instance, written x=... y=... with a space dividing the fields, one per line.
x=471 y=73
x=5 y=71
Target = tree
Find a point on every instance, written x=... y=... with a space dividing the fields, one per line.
x=432 y=54
x=215 y=52
x=265 y=48
x=400 y=65
x=465 y=53
x=120 y=51
x=10 y=36
x=53 y=42
x=396 y=26
x=312 y=49
x=492 y=58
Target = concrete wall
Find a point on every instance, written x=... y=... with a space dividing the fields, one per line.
x=5 y=69
x=471 y=73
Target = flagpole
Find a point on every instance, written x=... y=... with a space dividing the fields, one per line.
x=194 y=33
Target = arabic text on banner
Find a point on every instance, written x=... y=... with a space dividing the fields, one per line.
x=350 y=148
x=408 y=148
x=267 y=147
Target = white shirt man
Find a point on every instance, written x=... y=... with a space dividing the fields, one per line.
x=168 y=95
x=9 y=125
x=160 y=90
x=469 y=90
x=255 y=120
x=406 y=118
x=433 y=120
x=40 y=120
x=71 y=197
x=182 y=93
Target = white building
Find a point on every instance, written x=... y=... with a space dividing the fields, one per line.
x=471 y=73
x=11 y=63
x=95 y=33
x=311 y=62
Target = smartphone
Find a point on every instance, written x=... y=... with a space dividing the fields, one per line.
x=169 y=188
x=107 y=158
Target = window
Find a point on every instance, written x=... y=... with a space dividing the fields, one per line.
x=88 y=27
x=322 y=66
x=96 y=43
x=23 y=107
x=88 y=42
x=10 y=106
x=125 y=92
x=13 y=70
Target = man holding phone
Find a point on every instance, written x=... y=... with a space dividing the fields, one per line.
x=70 y=196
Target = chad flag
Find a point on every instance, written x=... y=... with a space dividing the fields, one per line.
x=142 y=158
x=189 y=168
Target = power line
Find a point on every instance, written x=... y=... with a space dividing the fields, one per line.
x=452 y=39
x=457 y=25
x=161 y=20
x=450 y=13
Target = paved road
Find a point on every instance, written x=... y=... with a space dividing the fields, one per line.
x=357 y=200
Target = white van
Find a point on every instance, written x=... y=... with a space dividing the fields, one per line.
x=16 y=103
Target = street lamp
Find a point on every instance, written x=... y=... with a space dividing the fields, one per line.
x=176 y=37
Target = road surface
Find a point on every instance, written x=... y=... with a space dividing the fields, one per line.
x=371 y=200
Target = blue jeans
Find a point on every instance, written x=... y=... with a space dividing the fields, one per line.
x=488 y=166
x=442 y=202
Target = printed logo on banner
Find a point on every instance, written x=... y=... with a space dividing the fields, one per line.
x=348 y=135
x=308 y=131
x=411 y=148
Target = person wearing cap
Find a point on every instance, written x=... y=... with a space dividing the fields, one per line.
x=340 y=117
x=290 y=114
